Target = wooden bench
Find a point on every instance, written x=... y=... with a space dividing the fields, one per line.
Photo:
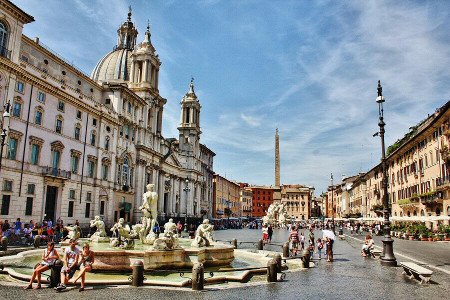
x=415 y=271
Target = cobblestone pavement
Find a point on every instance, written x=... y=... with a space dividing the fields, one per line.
x=349 y=277
x=432 y=254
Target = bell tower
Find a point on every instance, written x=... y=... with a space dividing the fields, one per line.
x=189 y=128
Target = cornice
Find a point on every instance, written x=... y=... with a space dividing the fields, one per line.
x=47 y=87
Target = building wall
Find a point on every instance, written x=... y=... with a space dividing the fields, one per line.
x=297 y=200
x=262 y=197
x=227 y=195
x=127 y=114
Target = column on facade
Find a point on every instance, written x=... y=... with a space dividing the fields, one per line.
x=132 y=70
x=145 y=68
x=160 y=192
x=150 y=76
x=172 y=196
x=183 y=197
x=157 y=78
x=140 y=187
x=154 y=77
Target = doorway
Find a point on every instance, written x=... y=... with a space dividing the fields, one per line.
x=50 y=202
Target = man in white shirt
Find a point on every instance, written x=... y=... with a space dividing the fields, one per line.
x=71 y=255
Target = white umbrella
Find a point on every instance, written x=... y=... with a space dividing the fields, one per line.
x=328 y=234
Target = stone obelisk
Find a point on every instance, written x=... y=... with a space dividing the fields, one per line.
x=277 y=189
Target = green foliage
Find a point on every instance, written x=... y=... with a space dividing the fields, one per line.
x=404 y=201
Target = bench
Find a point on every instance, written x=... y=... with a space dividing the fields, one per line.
x=413 y=270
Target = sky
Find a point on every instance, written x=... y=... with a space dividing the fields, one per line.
x=308 y=68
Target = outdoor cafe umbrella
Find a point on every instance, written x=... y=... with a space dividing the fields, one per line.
x=328 y=234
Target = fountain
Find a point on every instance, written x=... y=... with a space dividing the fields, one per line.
x=276 y=215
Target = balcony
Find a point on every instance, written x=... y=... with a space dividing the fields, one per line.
x=55 y=172
x=5 y=52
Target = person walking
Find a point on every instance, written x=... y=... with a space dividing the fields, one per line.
x=302 y=241
x=265 y=232
x=319 y=247
x=270 y=232
x=293 y=238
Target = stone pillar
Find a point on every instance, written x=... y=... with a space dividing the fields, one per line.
x=161 y=191
x=131 y=75
x=150 y=75
x=157 y=78
x=145 y=68
x=183 y=197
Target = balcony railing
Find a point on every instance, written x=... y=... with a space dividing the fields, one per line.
x=5 y=52
x=55 y=172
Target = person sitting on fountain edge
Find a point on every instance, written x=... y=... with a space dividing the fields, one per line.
x=71 y=255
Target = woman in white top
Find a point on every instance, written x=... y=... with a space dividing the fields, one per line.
x=48 y=260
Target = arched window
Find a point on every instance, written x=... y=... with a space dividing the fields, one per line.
x=3 y=39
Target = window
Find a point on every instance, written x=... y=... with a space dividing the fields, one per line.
x=3 y=39
x=41 y=97
x=31 y=188
x=88 y=210
x=94 y=122
x=12 y=148
x=61 y=106
x=107 y=101
x=93 y=138
x=20 y=86
x=55 y=159
x=71 y=194
x=35 y=149
x=102 y=208
x=107 y=143
x=78 y=114
x=38 y=116
x=70 y=209
x=74 y=164
x=5 y=204
x=129 y=107
x=77 y=132
x=29 y=206
x=104 y=171
x=17 y=109
x=91 y=168
x=58 y=125
x=89 y=196
x=7 y=185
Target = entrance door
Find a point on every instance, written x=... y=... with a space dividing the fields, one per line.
x=50 y=202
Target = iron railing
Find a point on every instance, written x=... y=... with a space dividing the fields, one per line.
x=55 y=172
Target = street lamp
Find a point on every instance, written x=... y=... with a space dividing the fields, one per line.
x=387 y=257
x=186 y=189
x=332 y=202
x=4 y=134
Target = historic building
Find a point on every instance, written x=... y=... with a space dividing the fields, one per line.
x=246 y=196
x=297 y=200
x=262 y=197
x=226 y=194
x=418 y=176
x=79 y=146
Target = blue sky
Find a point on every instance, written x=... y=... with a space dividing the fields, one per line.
x=309 y=68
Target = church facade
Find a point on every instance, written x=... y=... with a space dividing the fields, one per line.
x=79 y=146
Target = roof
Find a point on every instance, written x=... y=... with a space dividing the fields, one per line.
x=114 y=66
x=16 y=11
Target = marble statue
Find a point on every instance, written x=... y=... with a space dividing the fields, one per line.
x=169 y=240
x=121 y=235
x=149 y=210
x=276 y=215
x=74 y=232
x=100 y=233
x=203 y=235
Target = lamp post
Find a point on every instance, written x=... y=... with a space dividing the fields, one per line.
x=332 y=203
x=186 y=189
x=4 y=134
x=387 y=257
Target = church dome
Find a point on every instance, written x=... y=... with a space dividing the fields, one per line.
x=114 y=66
